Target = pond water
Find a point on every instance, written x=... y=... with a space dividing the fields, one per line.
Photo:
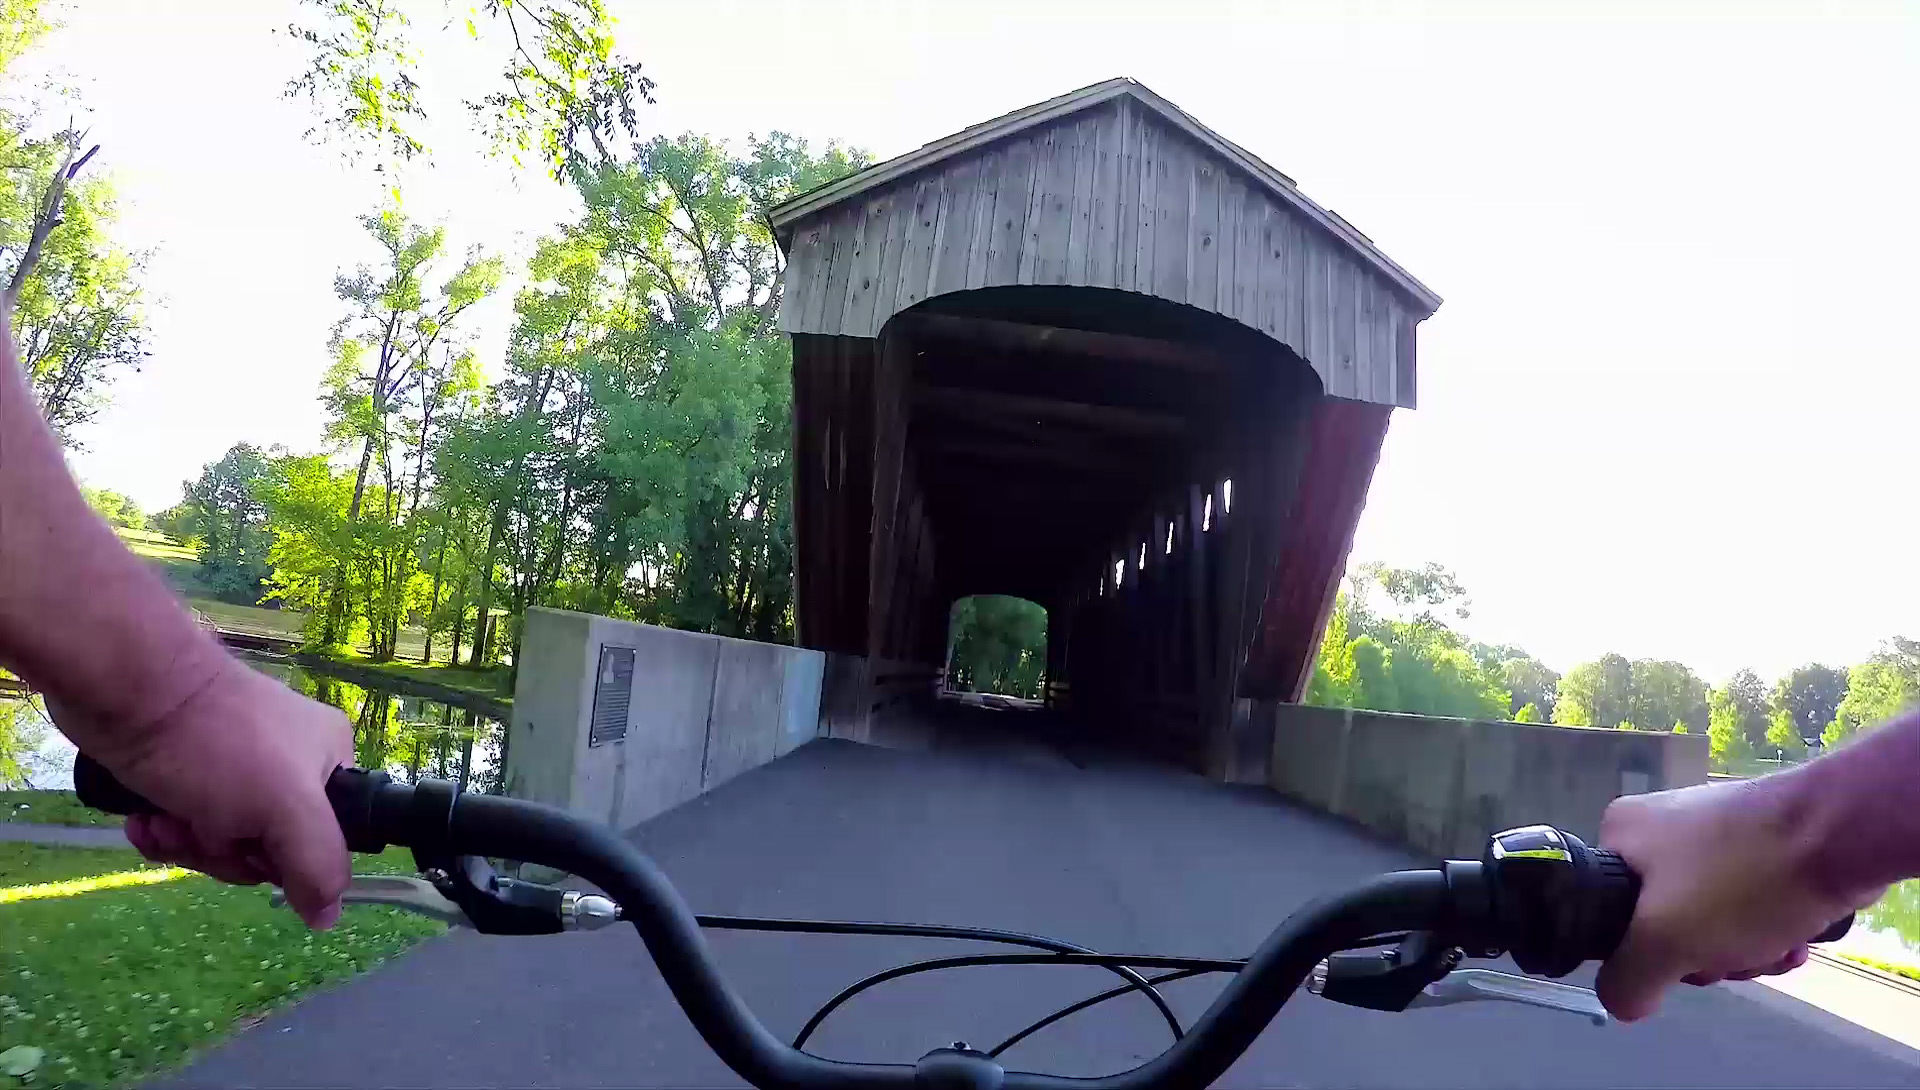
x=407 y=736
x=1888 y=930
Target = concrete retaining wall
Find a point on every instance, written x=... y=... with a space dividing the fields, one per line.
x=702 y=710
x=1443 y=785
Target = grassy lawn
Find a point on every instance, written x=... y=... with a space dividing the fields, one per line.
x=158 y=546
x=115 y=984
x=269 y=622
x=1909 y=971
x=49 y=808
x=181 y=567
x=492 y=681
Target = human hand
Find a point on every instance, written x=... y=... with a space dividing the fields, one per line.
x=239 y=772
x=1727 y=887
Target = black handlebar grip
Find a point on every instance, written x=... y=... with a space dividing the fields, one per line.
x=1613 y=888
x=1836 y=930
x=368 y=821
x=103 y=791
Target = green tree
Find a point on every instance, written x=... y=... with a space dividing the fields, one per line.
x=1407 y=659
x=71 y=295
x=563 y=93
x=634 y=457
x=1596 y=694
x=312 y=552
x=1680 y=727
x=117 y=509
x=1748 y=703
x=1729 y=742
x=1529 y=713
x=223 y=509
x=1666 y=692
x=1626 y=724
x=1807 y=699
x=1612 y=689
x=1878 y=689
x=999 y=645
x=1530 y=681
x=398 y=324
x=1783 y=735
x=176 y=522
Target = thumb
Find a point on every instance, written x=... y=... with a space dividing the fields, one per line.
x=1630 y=983
x=306 y=846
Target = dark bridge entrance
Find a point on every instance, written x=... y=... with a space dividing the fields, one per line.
x=1092 y=355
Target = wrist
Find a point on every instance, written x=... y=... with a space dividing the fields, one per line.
x=159 y=677
x=1847 y=827
x=1807 y=816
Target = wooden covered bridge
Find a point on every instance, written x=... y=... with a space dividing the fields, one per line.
x=1094 y=355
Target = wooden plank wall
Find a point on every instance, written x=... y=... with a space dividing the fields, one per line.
x=833 y=429
x=1158 y=649
x=1342 y=452
x=866 y=578
x=1114 y=197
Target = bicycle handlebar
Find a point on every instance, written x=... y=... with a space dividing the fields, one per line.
x=1541 y=895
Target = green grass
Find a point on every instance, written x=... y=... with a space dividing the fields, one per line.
x=491 y=681
x=50 y=808
x=118 y=984
x=268 y=622
x=180 y=565
x=161 y=548
x=1909 y=971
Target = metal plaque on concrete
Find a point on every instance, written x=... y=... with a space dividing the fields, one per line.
x=612 y=695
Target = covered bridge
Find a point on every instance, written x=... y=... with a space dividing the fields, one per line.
x=1094 y=355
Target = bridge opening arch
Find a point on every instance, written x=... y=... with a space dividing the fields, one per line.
x=997 y=645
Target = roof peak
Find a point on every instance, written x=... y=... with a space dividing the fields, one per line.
x=1093 y=95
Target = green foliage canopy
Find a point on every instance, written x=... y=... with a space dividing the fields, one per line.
x=999 y=646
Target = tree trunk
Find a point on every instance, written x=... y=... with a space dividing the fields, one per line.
x=482 y=630
x=466 y=750
x=337 y=597
x=433 y=600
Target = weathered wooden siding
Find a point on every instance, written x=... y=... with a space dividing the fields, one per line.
x=1112 y=197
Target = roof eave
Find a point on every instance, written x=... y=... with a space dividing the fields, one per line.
x=785 y=215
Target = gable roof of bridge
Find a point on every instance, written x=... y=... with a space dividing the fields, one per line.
x=785 y=216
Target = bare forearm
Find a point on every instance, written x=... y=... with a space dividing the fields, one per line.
x=1862 y=808
x=80 y=616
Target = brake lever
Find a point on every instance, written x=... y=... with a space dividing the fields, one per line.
x=415 y=895
x=1485 y=985
x=509 y=907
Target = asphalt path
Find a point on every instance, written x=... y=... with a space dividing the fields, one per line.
x=990 y=830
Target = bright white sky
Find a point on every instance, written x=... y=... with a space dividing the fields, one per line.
x=1667 y=408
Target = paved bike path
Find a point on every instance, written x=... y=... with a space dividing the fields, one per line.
x=1116 y=855
x=66 y=836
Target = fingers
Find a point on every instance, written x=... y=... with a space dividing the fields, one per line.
x=162 y=839
x=1795 y=958
x=1787 y=963
x=304 y=844
x=1630 y=983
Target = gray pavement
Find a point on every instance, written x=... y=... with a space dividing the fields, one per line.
x=66 y=836
x=1109 y=853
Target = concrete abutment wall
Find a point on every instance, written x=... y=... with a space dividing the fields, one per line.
x=1444 y=785
x=703 y=709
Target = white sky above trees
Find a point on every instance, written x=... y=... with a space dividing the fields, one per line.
x=1666 y=410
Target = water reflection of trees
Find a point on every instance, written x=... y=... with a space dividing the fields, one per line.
x=410 y=737
x=1898 y=912
x=23 y=733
